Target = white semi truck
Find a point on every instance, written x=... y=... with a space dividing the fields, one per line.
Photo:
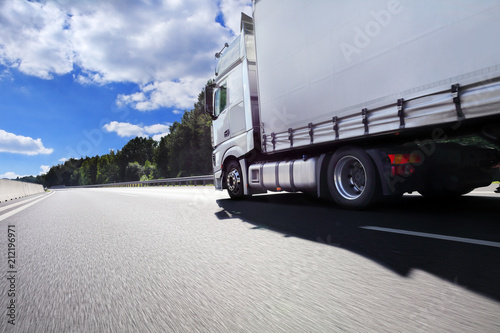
x=359 y=100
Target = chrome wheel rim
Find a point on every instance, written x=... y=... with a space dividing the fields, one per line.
x=350 y=177
x=233 y=181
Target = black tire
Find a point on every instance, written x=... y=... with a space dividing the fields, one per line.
x=234 y=181
x=353 y=179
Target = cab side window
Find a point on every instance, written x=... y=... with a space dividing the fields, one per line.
x=220 y=100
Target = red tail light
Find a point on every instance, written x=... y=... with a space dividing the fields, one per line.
x=402 y=164
x=412 y=158
x=403 y=170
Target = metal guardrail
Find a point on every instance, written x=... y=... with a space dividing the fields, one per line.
x=195 y=180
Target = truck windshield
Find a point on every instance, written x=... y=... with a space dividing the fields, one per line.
x=220 y=100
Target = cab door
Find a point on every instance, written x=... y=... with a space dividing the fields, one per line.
x=220 y=125
x=228 y=107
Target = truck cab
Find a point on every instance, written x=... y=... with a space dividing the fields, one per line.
x=231 y=100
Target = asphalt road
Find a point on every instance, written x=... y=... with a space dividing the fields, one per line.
x=191 y=260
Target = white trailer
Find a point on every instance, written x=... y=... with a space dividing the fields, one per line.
x=357 y=100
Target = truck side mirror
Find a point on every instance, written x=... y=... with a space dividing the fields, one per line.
x=209 y=100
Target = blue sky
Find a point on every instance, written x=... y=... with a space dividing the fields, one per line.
x=81 y=77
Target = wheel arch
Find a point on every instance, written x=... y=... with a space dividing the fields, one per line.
x=323 y=191
x=225 y=162
x=234 y=153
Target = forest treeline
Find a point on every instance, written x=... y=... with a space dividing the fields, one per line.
x=186 y=151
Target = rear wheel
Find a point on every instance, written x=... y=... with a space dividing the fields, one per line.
x=234 y=181
x=352 y=178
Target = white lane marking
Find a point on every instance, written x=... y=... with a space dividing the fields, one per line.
x=15 y=211
x=434 y=236
x=481 y=192
x=17 y=204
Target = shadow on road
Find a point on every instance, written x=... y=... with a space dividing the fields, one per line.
x=475 y=267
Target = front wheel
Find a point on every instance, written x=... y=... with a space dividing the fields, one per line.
x=352 y=178
x=234 y=183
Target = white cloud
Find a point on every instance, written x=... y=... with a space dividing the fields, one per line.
x=45 y=169
x=158 y=128
x=177 y=112
x=157 y=137
x=64 y=159
x=34 y=39
x=180 y=94
x=5 y=73
x=18 y=144
x=231 y=10
x=166 y=47
x=10 y=175
x=124 y=130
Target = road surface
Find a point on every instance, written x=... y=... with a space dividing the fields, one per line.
x=188 y=259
